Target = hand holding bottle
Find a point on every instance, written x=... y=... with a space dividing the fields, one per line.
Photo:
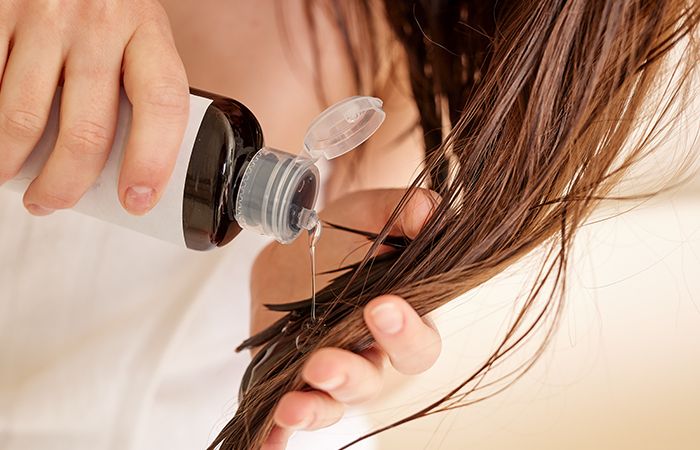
x=90 y=47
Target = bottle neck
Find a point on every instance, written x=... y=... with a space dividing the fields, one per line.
x=277 y=195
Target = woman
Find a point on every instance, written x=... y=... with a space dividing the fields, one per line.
x=277 y=67
x=92 y=352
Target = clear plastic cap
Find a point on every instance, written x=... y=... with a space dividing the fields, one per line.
x=278 y=191
x=343 y=126
x=277 y=195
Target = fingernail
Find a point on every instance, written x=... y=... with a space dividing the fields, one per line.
x=332 y=383
x=37 y=210
x=139 y=199
x=303 y=424
x=388 y=318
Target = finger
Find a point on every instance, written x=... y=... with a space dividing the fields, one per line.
x=376 y=356
x=345 y=376
x=28 y=86
x=415 y=214
x=278 y=438
x=89 y=108
x=307 y=410
x=411 y=344
x=7 y=24
x=4 y=49
x=371 y=210
x=155 y=82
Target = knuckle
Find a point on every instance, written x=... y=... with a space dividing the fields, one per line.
x=416 y=361
x=57 y=198
x=21 y=124
x=152 y=169
x=154 y=15
x=360 y=394
x=167 y=96
x=324 y=355
x=90 y=65
x=358 y=388
x=8 y=173
x=430 y=343
x=86 y=138
x=405 y=365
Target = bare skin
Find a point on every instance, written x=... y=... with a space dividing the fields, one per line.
x=93 y=46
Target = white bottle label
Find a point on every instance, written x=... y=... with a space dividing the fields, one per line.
x=164 y=221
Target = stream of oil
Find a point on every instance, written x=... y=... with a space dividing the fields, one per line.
x=314 y=236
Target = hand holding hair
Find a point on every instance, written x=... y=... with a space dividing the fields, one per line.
x=339 y=377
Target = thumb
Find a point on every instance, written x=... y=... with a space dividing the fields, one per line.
x=370 y=210
x=418 y=209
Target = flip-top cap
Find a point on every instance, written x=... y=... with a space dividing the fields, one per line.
x=343 y=126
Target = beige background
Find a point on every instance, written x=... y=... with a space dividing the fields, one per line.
x=623 y=371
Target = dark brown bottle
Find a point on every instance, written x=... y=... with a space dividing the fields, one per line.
x=225 y=179
x=228 y=139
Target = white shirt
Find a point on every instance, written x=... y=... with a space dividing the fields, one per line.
x=113 y=340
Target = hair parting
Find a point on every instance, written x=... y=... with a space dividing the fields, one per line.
x=532 y=113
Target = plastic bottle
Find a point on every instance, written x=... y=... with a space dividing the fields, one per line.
x=225 y=179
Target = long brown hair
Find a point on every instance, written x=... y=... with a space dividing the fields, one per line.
x=532 y=112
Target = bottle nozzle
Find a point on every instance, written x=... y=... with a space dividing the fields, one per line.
x=277 y=195
x=308 y=219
